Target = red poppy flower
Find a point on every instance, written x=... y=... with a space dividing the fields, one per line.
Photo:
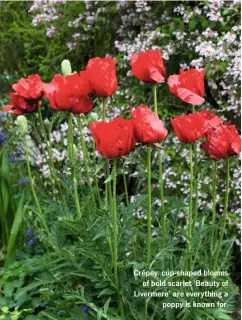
x=188 y=86
x=148 y=66
x=190 y=127
x=69 y=93
x=212 y=120
x=25 y=98
x=113 y=139
x=222 y=141
x=102 y=76
x=148 y=128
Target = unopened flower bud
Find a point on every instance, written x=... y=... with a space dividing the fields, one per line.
x=22 y=124
x=66 y=67
x=47 y=124
x=94 y=116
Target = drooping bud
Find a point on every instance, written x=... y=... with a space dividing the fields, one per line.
x=66 y=67
x=22 y=123
x=94 y=116
x=47 y=124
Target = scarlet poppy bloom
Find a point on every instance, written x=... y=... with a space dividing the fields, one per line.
x=113 y=139
x=148 y=66
x=212 y=120
x=102 y=76
x=25 y=98
x=148 y=128
x=69 y=93
x=222 y=141
x=190 y=127
x=188 y=85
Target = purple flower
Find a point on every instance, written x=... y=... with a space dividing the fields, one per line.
x=11 y=158
x=23 y=181
x=30 y=232
x=20 y=160
x=32 y=241
x=85 y=309
x=2 y=137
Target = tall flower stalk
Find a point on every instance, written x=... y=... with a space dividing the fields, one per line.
x=214 y=176
x=73 y=169
x=50 y=158
x=190 y=201
x=86 y=159
x=149 y=205
x=225 y=214
x=195 y=180
x=23 y=128
x=115 y=237
x=163 y=213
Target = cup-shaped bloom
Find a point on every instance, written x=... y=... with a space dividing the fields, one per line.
x=69 y=93
x=188 y=85
x=222 y=141
x=212 y=120
x=102 y=76
x=25 y=98
x=113 y=139
x=148 y=66
x=190 y=128
x=148 y=128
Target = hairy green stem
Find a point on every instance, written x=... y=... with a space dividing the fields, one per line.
x=125 y=188
x=73 y=169
x=115 y=237
x=86 y=160
x=40 y=214
x=225 y=213
x=161 y=183
x=106 y=167
x=190 y=202
x=214 y=175
x=195 y=181
x=195 y=187
x=50 y=160
x=149 y=204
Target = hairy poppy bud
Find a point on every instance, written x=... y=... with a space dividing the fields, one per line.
x=22 y=124
x=66 y=67
x=94 y=116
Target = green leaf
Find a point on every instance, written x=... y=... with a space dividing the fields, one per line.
x=106 y=292
x=15 y=227
x=110 y=178
x=106 y=306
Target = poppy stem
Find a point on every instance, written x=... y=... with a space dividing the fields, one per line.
x=195 y=186
x=149 y=216
x=40 y=214
x=225 y=213
x=106 y=167
x=115 y=237
x=95 y=175
x=73 y=169
x=125 y=188
x=214 y=203
x=86 y=159
x=149 y=204
x=54 y=181
x=161 y=183
x=190 y=202
x=195 y=181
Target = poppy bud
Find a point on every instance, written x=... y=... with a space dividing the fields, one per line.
x=22 y=124
x=94 y=116
x=47 y=124
x=66 y=67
